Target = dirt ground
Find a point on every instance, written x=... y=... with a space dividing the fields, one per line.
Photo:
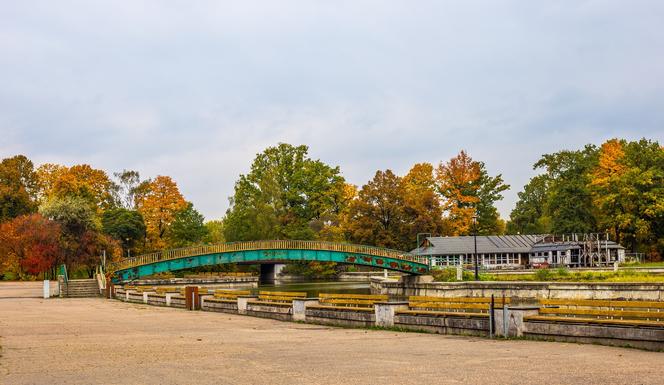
x=97 y=341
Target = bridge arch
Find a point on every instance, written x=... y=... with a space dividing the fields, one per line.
x=268 y=252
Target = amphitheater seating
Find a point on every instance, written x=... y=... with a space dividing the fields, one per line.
x=227 y=296
x=277 y=298
x=351 y=302
x=603 y=312
x=457 y=307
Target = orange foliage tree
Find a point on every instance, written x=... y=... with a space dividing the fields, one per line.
x=458 y=184
x=159 y=201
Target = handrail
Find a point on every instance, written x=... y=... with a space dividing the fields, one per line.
x=263 y=245
x=63 y=271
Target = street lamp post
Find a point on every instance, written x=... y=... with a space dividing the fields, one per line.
x=477 y=271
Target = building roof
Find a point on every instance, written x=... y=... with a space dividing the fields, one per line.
x=485 y=244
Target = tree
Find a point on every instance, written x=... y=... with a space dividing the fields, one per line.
x=128 y=183
x=421 y=202
x=627 y=189
x=18 y=187
x=214 y=232
x=81 y=181
x=468 y=190
x=282 y=196
x=377 y=216
x=187 y=228
x=569 y=202
x=29 y=244
x=159 y=201
x=126 y=226
x=80 y=240
x=529 y=215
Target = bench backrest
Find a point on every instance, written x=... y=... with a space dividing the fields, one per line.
x=467 y=304
x=280 y=296
x=611 y=309
x=167 y=289
x=230 y=294
x=351 y=299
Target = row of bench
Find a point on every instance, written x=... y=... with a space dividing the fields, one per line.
x=622 y=321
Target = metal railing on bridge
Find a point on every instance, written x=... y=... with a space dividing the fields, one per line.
x=265 y=245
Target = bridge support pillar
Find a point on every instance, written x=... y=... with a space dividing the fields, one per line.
x=385 y=312
x=270 y=272
x=300 y=307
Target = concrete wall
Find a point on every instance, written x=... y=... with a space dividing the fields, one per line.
x=524 y=290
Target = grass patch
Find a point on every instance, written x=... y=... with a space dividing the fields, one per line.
x=564 y=275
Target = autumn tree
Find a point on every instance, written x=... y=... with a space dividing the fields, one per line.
x=80 y=239
x=377 y=216
x=80 y=181
x=159 y=201
x=18 y=187
x=283 y=196
x=467 y=190
x=29 y=244
x=627 y=188
x=422 y=206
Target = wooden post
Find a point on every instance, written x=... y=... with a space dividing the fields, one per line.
x=191 y=298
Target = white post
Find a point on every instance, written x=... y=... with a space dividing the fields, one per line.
x=459 y=273
x=47 y=289
x=384 y=273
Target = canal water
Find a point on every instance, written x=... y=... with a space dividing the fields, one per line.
x=316 y=287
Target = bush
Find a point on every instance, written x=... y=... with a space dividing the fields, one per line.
x=543 y=275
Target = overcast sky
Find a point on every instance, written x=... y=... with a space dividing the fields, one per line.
x=194 y=89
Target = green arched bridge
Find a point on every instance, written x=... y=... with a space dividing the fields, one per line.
x=267 y=252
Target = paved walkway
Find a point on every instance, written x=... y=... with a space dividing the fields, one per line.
x=97 y=341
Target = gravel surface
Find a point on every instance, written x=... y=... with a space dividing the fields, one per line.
x=97 y=341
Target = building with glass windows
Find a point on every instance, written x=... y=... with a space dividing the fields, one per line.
x=514 y=251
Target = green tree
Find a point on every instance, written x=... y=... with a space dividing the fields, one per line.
x=282 y=195
x=18 y=187
x=187 y=227
x=81 y=241
x=127 y=226
x=569 y=201
x=529 y=215
x=215 y=232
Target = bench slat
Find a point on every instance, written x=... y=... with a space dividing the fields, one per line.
x=595 y=321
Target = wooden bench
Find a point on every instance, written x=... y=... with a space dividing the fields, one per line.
x=348 y=302
x=227 y=296
x=277 y=298
x=605 y=312
x=467 y=315
x=274 y=304
x=446 y=307
x=607 y=322
x=355 y=310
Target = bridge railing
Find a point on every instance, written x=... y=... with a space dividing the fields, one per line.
x=265 y=245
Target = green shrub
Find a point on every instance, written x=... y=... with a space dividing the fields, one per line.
x=543 y=275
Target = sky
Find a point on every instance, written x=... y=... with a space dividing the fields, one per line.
x=195 y=89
